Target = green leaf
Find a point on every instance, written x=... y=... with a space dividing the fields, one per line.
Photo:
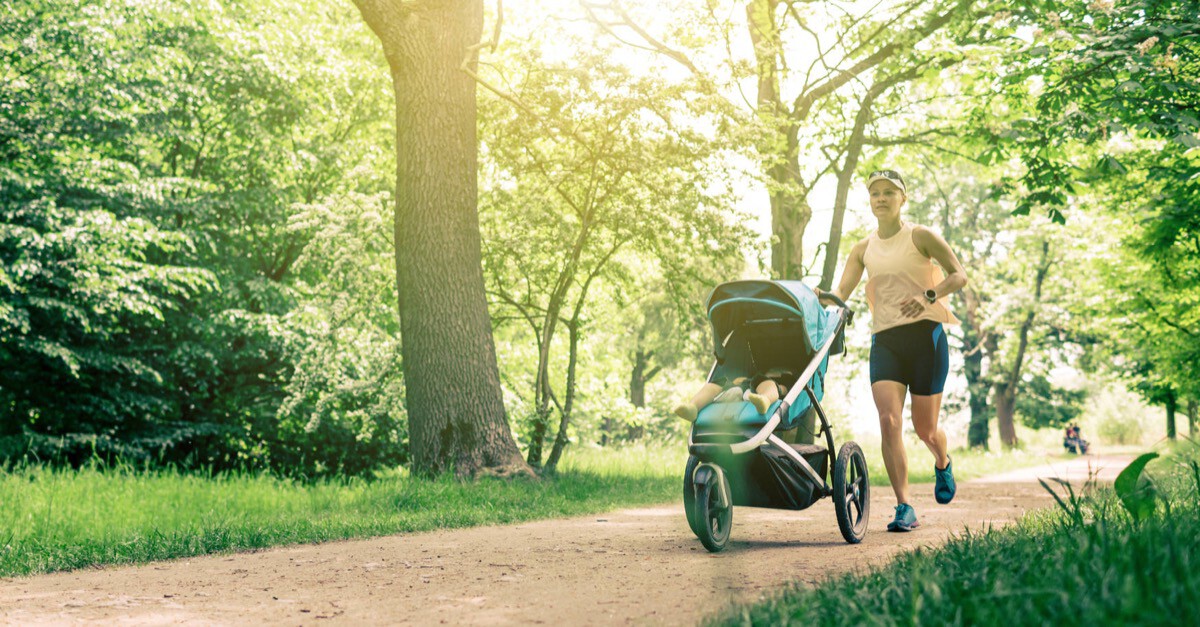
x=1136 y=492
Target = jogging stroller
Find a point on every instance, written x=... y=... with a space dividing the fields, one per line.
x=737 y=456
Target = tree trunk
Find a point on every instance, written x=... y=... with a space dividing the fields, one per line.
x=845 y=176
x=977 y=385
x=637 y=380
x=1192 y=410
x=1172 y=405
x=1007 y=389
x=779 y=150
x=1004 y=400
x=560 y=440
x=455 y=410
x=641 y=376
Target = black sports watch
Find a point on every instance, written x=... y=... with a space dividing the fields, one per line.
x=931 y=296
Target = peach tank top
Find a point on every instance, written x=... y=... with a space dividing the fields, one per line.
x=897 y=271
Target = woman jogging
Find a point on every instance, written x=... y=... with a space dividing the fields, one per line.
x=907 y=295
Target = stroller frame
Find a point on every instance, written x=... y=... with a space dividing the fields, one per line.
x=708 y=499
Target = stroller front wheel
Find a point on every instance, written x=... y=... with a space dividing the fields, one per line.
x=689 y=495
x=714 y=513
x=851 y=492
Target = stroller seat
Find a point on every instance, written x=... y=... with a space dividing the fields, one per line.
x=741 y=414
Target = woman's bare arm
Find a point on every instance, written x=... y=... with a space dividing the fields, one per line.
x=933 y=245
x=852 y=273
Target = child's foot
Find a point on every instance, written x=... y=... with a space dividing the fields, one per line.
x=943 y=486
x=759 y=401
x=687 y=411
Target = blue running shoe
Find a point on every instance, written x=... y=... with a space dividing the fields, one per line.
x=906 y=519
x=943 y=483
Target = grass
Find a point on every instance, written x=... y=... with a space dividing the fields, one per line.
x=1086 y=563
x=53 y=519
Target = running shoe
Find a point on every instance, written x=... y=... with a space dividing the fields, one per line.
x=943 y=483
x=906 y=519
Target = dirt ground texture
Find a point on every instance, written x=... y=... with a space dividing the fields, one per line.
x=639 y=566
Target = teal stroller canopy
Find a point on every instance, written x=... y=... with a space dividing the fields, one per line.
x=735 y=303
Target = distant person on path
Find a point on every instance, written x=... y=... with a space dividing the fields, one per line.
x=907 y=294
x=1073 y=441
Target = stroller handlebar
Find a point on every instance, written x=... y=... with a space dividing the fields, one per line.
x=824 y=295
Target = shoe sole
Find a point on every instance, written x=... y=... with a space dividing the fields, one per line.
x=902 y=528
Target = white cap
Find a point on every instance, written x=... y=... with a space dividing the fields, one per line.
x=890 y=176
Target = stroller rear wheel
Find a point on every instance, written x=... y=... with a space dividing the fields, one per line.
x=713 y=518
x=851 y=492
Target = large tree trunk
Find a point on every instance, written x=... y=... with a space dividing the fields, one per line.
x=455 y=410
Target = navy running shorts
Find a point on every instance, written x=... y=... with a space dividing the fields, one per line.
x=915 y=354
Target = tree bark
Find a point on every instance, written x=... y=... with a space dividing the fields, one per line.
x=455 y=410
x=641 y=376
x=561 y=439
x=978 y=386
x=1004 y=399
x=779 y=150
x=1172 y=406
x=1193 y=409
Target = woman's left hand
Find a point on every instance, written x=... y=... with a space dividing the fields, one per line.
x=912 y=307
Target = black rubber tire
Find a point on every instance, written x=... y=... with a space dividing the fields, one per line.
x=714 y=521
x=851 y=492
x=689 y=495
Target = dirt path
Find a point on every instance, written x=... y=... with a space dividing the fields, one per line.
x=638 y=566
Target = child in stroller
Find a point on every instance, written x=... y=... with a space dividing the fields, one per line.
x=1073 y=442
x=767 y=388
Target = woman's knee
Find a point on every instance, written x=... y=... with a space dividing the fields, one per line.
x=927 y=433
x=890 y=422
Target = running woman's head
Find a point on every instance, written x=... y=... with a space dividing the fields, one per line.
x=888 y=194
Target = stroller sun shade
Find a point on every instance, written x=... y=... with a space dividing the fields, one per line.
x=733 y=305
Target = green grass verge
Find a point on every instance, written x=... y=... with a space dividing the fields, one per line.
x=53 y=519
x=1100 y=567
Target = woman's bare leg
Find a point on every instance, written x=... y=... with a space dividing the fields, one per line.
x=889 y=401
x=925 y=412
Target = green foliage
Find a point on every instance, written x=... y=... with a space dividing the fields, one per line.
x=1044 y=405
x=152 y=156
x=1137 y=491
x=1106 y=94
x=602 y=183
